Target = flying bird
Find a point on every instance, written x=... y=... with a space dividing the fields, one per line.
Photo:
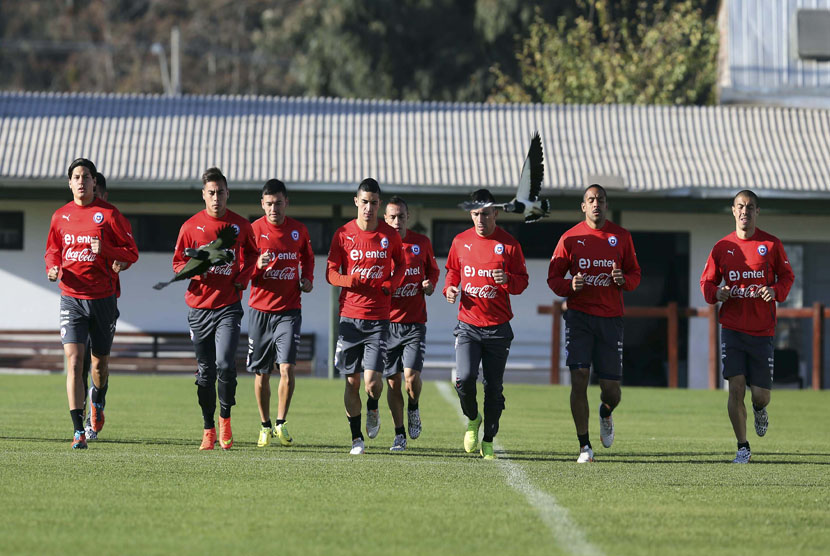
x=217 y=252
x=526 y=200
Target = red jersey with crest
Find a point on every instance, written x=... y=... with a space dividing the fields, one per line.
x=277 y=286
x=470 y=265
x=361 y=263
x=745 y=266
x=215 y=289
x=83 y=274
x=408 y=303
x=594 y=253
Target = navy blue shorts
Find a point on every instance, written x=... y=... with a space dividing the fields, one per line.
x=90 y=320
x=405 y=347
x=361 y=345
x=592 y=340
x=751 y=356
x=272 y=337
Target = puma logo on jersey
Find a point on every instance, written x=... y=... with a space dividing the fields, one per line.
x=65 y=216
x=469 y=246
x=350 y=238
x=581 y=242
x=265 y=236
x=731 y=252
x=200 y=228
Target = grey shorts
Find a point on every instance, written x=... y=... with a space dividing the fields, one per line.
x=590 y=339
x=361 y=345
x=751 y=356
x=272 y=337
x=405 y=348
x=89 y=318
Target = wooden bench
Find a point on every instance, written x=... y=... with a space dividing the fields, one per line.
x=132 y=352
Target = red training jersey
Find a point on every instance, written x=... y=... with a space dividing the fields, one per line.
x=83 y=274
x=215 y=289
x=745 y=266
x=361 y=263
x=470 y=265
x=594 y=253
x=408 y=303
x=276 y=287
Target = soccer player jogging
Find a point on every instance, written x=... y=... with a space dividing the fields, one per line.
x=755 y=273
x=366 y=261
x=600 y=257
x=85 y=236
x=284 y=269
x=407 y=327
x=485 y=266
x=214 y=298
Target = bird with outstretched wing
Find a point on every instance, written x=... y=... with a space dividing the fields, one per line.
x=526 y=200
x=217 y=252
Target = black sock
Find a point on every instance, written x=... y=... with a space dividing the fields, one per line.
x=743 y=445
x=400 y=431
x=412 y=405
x=207 y=402
x=99 y=395
x=371 y=403
x=756 y=408
x=225 y=411
x=354 y=424
x=280 y=421
x=583 y=440
x=266 y=424
x=77 y=419
x=604 y=410
x=487 y=438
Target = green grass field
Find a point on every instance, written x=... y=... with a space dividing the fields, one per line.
x=664 y=487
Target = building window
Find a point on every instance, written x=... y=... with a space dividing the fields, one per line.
x=156 y=233
x=11 y=230
x=537 y=240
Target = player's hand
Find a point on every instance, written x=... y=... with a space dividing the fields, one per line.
x=118 y=266
x=578 y=282
x=499 y=276
x=263 y=260
x=53 y=273
x=722 y=294
x=427 y=286
x=305 y=285
x=617 y=274
x=767 y=294
x=95 y=245
x=452 y=294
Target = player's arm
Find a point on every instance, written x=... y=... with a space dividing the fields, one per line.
x=179 y=258
x=516 y=271
x=306 y=261
x=784 y=276
x=630 y=267
x=710 y=280
x=120 y=246
x=334 y=263
x=52 y=257
x=398 y=265
x=432 y=272
x=250 y=254
x=453 y=276
x=559 y=265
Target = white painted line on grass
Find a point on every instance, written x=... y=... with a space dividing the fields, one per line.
x=568 y=536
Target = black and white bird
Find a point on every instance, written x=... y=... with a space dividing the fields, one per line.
x=217 y=252
x=527 y=201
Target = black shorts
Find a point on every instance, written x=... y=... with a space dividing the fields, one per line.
x=361 y=345
x=272 y=337
x=751 y=356
x=405 y=347
x=89 y=318
x=590 y=339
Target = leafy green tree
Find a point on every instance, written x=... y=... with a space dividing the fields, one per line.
x=665 y=54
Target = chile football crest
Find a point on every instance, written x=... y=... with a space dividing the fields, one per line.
x=762 y=250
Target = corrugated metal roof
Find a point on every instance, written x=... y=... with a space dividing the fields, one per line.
x=338 y=142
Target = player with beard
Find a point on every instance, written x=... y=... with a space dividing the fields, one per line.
x=85 y=236
x=756 y=274
x=485 y=266
x=407 y=328
x=366 y=261
x=214 y=298
x=284 y=269
x=602 y=263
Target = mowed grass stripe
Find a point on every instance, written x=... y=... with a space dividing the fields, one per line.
x=565 y=533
